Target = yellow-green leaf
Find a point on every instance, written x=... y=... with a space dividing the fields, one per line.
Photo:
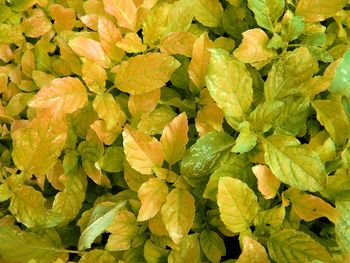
x=178 y=43
x=319 y=10
x=135 y=76
x=208 y=12
x=238 y=205
x=252 y=252
x=152 y=195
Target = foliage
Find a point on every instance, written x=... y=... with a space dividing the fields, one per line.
x=175 y=131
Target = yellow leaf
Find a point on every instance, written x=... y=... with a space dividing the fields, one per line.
x=209 y=118
x=124 y=10
x=56 y=176
x=268 y=184
x=64 y=17
x=135 y=76
x=142 y=151
x=309 y=208
x=37 y=24
x=28 y=63
x=200 y=60
x=36 y=148
x=152 y=195
x=109 y=110
x=5 y=52
x=253 y=48
x=131 y=43
x=109 y=36
x=178 y=43
x=94 y=76
x=157 y=226
x=208 y=12
x=143 y=103
x=106 y=136
x=66 y=94
x=314 y=11
x=133 y=178
x=174 y=138
x=90 y=49
x=252 y=252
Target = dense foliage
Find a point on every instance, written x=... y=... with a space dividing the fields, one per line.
x=175 y=131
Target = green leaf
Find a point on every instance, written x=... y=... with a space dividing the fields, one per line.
x=292 y=26
x=281 y=83
x=246 y=139
x=155 y=254
x=338 y=186
x=209 y=152
x=318 y=12
x=230 y=85
x=208 y=12
x=341 y=81
x=101 y=217
x=97 y=256
x=213 y=245
x=179 y=203
x=267 y=12
x=294 y=164
x=331 y=115
x=21 y=246
x=136 y=77
x=188 y=251
x=113 y=159
x=342 y=229
x=265 y=115
x=18 y=103
x=238 y=205
x=292 y=246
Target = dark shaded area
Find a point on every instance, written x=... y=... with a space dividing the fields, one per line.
x=233 y=249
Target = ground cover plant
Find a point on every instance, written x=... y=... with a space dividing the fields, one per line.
x=175 y=131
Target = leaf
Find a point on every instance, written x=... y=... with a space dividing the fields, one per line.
x=200 y=59
x=293 y=26
x=209 y=152
x=179 y=202
x=331 y=115
x=123 y=229
x=289 y=246
x=141 y=150
x=189 y=250
x=280 y=83
x=268 y=184
x=36 y=148
x=246 y=139
x=90 y=49
x=124 y=11
x=66 y=94
x=113 y=159
x=21 y=246
x=174 y=138
x=152 y=195
x=131 y=43
x=97 y=256
x=341 y=82
x=230 y=85
x=212 y=245
x=100 y=219
x=136 y=77
x=208 y=12
x=254 y=48
x=237 y=203
x=265 y=115
x=294 y=164
x=109 y=110
x=313 y=12
x=94 y=76
x=209 y=118
x=266 y=12
x=143 y=103
x=252 y=251
x=178 y=43
x=342 y=226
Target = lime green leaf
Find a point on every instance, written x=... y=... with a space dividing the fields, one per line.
x=230 y=85
x=289 y=246
x=237 y=203
x=213 y=245
x=209 y=152
x=136 y=77
x=101 y=217
x=292 y=26
x=246 y=139
x=341 y=81
x=265 y=115
x=123 y=229
x=175 y=138
x=320 y=11
x=280 y=83
x=21 y=246
x=294 y=164
x=178 y=213
x=252 y=251
x=152 y=195
x=97 y=256
x=108 y=110
x=208 y=12
x=331 y=115
x=266 y=12
x=66 y=94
